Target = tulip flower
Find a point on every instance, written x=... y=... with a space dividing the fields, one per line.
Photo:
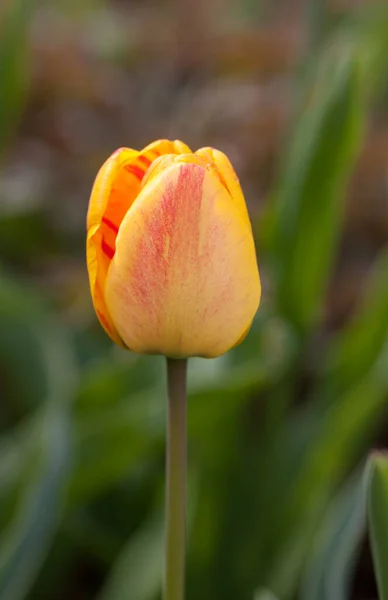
x=173 y=271
x=170 y=251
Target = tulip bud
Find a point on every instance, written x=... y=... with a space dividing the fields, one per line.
x=170 y=252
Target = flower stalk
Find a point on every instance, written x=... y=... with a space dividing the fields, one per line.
x=174 y=580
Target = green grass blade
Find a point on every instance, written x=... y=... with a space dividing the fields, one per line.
x=310 y=198
x=378 y=519
x=329 y=571
x=25 y=542
x=336 y=438
x=357 y=347
x=34 y=344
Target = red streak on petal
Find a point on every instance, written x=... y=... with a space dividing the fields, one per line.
x=136 y=171
x=146 y=161
x=169 y=250
x=107 y=249
x=110 y=224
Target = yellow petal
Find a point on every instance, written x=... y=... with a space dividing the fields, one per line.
x=184 y=279
x=227 y=175
x=166 y=160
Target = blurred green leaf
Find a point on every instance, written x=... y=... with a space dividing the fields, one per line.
x=310 y=197
x=34 y=344
x=102 y=454
x=37 y=453
x=357 y=347
x=25 y=541
x=334 y=437
x=264 y=595
x=378 y=519
x=17 y=449
x=330 y=569
x=109 y=444
x=320 y=25
x=366 y=32
x=105 y=382
x=13 y=63
x=29 y=224
x=137 y=574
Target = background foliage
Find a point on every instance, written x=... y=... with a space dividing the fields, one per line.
x=295 y=93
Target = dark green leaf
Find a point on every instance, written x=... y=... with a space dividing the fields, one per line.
x=137 y=575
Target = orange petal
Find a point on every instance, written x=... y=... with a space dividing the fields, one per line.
x=97 y=275
x=116 y=187
x=113 y=191
x=184 y=279
x=161 y=147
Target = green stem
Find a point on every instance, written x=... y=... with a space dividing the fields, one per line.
x=176 y=480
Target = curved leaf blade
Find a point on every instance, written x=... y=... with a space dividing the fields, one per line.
x=378 y=519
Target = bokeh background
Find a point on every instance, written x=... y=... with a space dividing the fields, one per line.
x=295 y=92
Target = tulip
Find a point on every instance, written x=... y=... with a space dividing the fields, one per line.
x=173 y=271
x=170 y=252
